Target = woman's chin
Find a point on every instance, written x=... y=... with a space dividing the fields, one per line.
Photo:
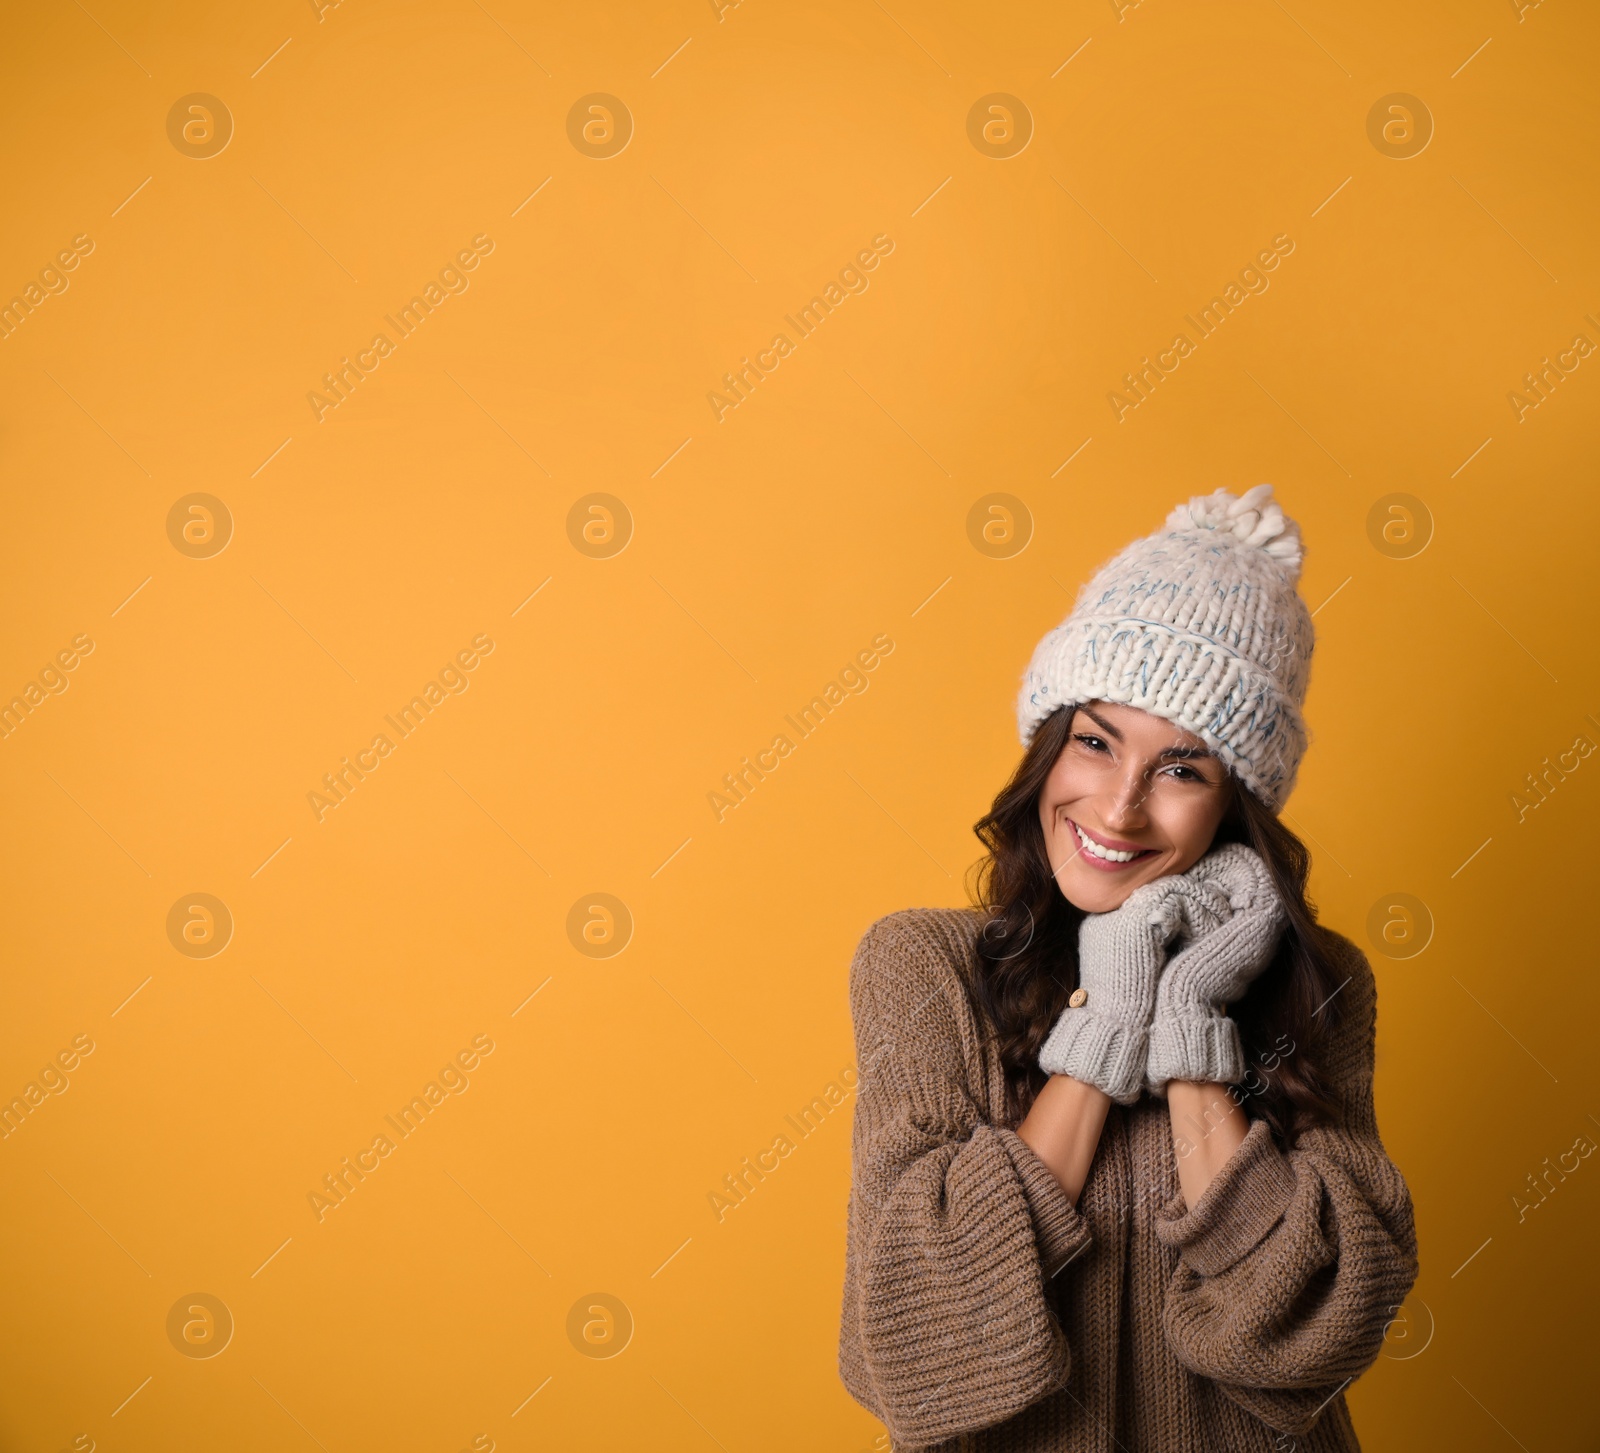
x=1096 y=891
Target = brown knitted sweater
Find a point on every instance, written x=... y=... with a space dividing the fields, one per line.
x=983 y=1311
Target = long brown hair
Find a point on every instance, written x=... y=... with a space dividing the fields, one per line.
x=1027 y=951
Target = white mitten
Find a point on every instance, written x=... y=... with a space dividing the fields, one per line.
x=1191 y=1036
x=1103 y=1035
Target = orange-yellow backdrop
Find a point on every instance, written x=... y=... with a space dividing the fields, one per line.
x=231 y=651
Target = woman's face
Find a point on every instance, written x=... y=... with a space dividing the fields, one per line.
x=1130 y=799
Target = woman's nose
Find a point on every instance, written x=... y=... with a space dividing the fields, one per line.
x=1125 y=809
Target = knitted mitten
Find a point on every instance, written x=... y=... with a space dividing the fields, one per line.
x=1103 y=1035
x=1191 y=1036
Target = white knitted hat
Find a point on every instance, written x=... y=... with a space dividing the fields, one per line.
x=1199 y=623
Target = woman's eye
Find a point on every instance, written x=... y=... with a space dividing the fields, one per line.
x=1095 y=744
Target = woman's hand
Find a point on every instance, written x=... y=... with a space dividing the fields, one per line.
x=1191 y=1037
x=1103 y=1036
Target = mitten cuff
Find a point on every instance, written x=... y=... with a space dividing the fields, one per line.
x=1204 y=1048
x=1104 y=1052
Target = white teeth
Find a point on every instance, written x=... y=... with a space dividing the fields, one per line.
x=1094 y=849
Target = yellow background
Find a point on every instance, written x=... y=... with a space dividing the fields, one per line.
x=1170 y=144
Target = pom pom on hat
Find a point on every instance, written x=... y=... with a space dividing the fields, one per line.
x=1199 y=623
x=1254 y=517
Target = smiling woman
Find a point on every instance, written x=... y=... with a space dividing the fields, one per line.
x=1139 y=775
x=1056 y=1172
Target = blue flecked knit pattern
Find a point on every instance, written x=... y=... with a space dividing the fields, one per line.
x=1199 y=623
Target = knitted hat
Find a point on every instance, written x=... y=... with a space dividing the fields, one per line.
x=1199 y=623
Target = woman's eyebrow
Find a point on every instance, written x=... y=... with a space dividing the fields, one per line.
x=1102 y=723
x=1176 y=753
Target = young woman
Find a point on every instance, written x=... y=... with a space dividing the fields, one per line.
x=1117 y=1182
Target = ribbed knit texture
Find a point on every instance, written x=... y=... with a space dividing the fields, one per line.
x=1199 y=623
x=984 y=1313
x=1191 y=1036
x=1105 y=1040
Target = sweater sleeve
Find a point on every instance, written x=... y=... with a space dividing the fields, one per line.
x=955 y=1225
x=1291 y=1266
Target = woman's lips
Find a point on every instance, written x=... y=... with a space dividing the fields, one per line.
x=1102 y=864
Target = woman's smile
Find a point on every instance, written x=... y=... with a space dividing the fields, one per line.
x=1127 y=771
x=1109 y=855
